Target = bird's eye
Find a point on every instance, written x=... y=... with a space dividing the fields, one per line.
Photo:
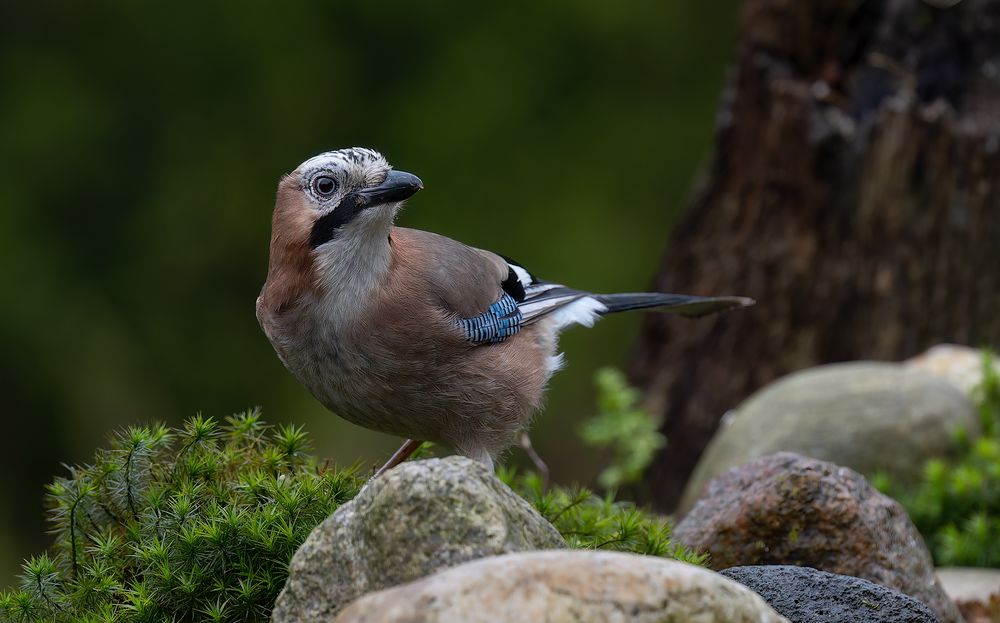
x=324 y=185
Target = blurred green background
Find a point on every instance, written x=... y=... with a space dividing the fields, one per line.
x=142 y=143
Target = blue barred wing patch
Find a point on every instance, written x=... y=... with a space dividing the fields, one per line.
x=496 y=324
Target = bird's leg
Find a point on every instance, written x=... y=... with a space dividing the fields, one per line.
x=543 y=469
x=409 y=447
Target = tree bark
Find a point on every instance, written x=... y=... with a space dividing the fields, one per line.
x=854 y=191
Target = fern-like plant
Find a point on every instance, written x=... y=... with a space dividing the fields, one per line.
x=195 y=524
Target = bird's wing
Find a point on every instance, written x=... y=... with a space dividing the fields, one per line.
x=526 y=300
x=536 y=298
x=455 y=278
x=492 y=297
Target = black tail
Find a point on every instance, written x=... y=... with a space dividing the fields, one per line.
x=691 y=306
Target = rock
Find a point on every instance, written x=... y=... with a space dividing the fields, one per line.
x=788 y=509
x=959 y=365
x=975 y=590
x=969 y=583
x=573 y=585
x=805 y=595
x=981 y=612
x=864 y=415
x=418 y=518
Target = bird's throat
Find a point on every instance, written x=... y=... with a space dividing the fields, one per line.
x=349 y=271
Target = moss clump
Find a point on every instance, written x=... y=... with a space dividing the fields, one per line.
x=195 y=524
x=630 y=437
x=956 y=505
x=589 y=521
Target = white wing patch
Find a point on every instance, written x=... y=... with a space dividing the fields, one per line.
x=584 y=311
x=558 y=305
x=522 y=275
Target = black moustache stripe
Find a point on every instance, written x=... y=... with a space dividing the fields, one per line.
x=326 y=226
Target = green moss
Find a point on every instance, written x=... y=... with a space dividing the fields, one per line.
x=871 y=605
x=793 y=534
x=195 y=524
x=630 y=437
x=589 y=521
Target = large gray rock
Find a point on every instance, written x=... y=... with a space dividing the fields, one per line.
x=806 y=595
x=567 y=586
x=863 y=415
x=419 y=518
x=787 y=509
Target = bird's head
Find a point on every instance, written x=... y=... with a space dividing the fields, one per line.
x=344 y=193
x=331 y=225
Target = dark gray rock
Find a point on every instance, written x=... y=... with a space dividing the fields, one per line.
x=419 y=518
x=805 y=595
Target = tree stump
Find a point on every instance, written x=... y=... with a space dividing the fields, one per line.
x=854 y=191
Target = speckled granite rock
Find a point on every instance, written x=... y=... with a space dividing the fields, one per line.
x=568 y=586
x=788 y=509
x=419 y=518
x=805 y=595
x=865 y=415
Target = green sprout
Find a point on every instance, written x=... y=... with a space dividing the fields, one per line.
x=622 y=429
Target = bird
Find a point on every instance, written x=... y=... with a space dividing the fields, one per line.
x=409 y=332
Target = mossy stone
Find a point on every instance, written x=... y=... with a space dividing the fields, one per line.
x=419 y=518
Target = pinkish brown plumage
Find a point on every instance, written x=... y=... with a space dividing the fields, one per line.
x=408 y=332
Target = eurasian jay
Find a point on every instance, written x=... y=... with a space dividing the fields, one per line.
x=411 y=333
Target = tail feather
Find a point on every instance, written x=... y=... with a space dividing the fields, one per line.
x=683 y=304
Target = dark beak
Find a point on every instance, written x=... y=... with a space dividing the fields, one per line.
x=398 y=185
